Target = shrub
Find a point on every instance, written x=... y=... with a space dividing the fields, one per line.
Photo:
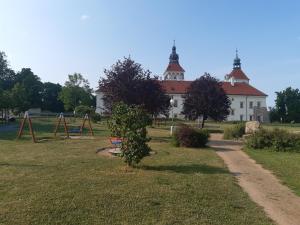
x=277 y=139
x=96 y=117
x=186 y=136
x=129 y=123
x=81 y=110
x=234 y=132
x=260 y=139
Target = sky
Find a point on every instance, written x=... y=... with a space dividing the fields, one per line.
x=59 y=37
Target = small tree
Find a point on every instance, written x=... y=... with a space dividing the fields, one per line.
x=205 y=97
x=129 y=123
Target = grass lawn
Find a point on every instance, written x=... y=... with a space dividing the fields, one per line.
x=285 y=165
x=66 y=182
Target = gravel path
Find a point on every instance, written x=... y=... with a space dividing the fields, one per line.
x=278 y=201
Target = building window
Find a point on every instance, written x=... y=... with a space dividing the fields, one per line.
x=232 y=99
x=259 y=118
x=232 y=112
x=251 y=105
x=241 y=117
x=241 y=105
x=175 y=115
x=258 y=104
x=251 y=118
x=175 y=103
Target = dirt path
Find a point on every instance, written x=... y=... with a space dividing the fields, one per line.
x=278 y=201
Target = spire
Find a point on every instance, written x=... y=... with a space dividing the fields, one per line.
x=174 y=58
x=236 y=61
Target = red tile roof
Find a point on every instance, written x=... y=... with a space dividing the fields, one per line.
x=241 y=89
x=174 y=67
x=180 y=87
x=238 y=74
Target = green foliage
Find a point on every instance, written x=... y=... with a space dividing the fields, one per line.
x=277 y=139
x=129 y=123
x=234 y=132
x=33 y=87
x=186 y=136
x=287 y=106
x=206 y=98
x=76 y=92
x=128 y=82
x=50 y=101
x=81 y=110
x=7 y=75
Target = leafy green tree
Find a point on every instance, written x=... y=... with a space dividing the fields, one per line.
x=128 y=82
x=287 y=105
x=50 y=100
x=129 y=123
x=206 y=98
x=20 y=101
x=7 y=75
x=33 y=86
x=76 y=92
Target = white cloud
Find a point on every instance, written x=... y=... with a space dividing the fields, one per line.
x=84 y=17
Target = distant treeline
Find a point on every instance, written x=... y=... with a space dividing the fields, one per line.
x=20 y=91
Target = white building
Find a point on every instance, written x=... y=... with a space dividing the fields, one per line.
x=247 y=102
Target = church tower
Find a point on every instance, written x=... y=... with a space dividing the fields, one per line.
x=237 y=74
x=174 y=71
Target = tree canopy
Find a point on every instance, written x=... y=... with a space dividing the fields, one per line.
x=7 y=75
x=50 y=101
x=205 y=98
x=76 y=92
x=128 y=82
x=24 y=90
x=287 y=106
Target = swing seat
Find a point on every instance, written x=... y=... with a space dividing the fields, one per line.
x=74 y=130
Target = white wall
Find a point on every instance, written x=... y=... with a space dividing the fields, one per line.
x=236 y=100
x=169 y=75
x=99 y=103
x=246 y=111
x=177 y=109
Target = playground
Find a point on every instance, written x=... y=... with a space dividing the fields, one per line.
x=65 y=181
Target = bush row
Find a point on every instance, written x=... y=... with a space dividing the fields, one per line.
x=277 y=139
x=186 y=136
x=234 y=132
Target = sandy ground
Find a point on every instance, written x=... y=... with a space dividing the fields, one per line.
x=278 y=201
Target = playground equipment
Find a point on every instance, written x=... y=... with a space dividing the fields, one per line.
x=74 y=130
x=26 y=118
x=61 y=120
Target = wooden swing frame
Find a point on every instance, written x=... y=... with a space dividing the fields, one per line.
x=20 y=133
x=87 y=118
x=61 y=118
x=61 y=121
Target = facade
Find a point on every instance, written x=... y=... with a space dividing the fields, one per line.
x=247 y=102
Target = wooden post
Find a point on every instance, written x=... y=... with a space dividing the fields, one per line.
x=25 y=118
x=61 y=118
